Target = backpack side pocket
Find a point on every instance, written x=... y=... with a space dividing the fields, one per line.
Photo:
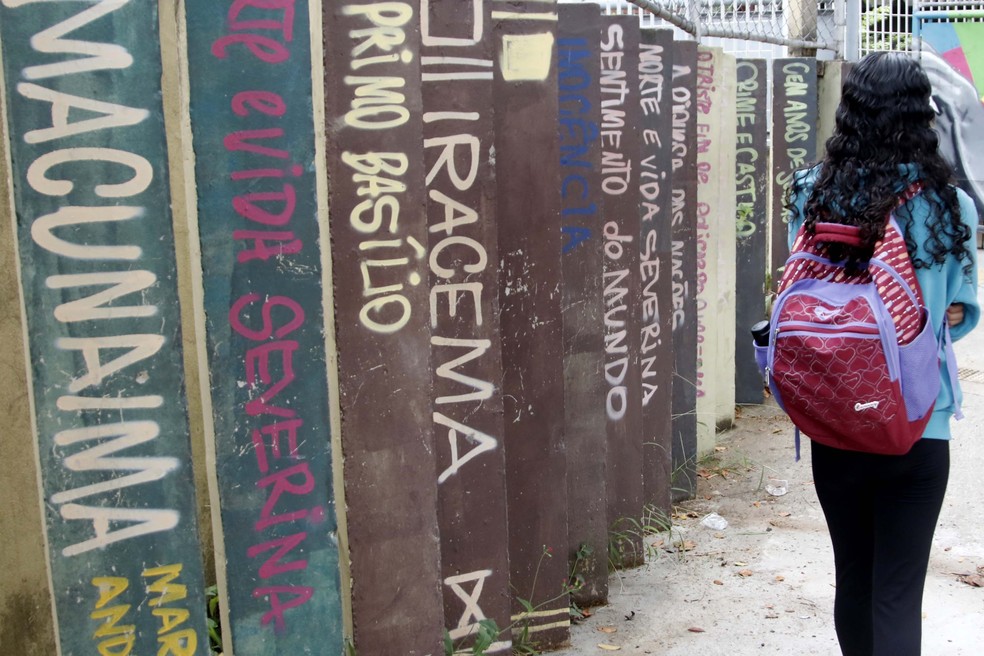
x=919 y=366
x=761 y=357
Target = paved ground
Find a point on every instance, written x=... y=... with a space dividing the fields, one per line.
x=763 y=585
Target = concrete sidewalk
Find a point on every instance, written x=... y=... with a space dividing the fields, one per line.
x=764 y=585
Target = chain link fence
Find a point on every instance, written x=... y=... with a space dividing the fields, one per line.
x=827 y=29
x=764 y=28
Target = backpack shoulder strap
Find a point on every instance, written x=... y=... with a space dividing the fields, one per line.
x=908 y=194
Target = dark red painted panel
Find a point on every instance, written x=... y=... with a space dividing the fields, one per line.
x=530 y=242
x=457 y=71
x=585 y=389
x=684 y=270
x=655 y=266
x=620 y=147
x=379 y=248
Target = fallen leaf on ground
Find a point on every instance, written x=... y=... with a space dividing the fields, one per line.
x=785 y=514
x=780 y=578
x=682 y=545
x=745 y=572
x=695 y=629
x=738 y=563
x=608 y=647
x=718 y=582
x=975 y=580
x=607 y=629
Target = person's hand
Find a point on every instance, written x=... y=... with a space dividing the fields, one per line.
x=955 y=314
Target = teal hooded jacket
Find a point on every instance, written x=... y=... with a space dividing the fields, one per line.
x=942 y=285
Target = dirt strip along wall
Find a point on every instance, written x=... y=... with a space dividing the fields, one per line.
x=457 y=70
x=530 y=243
x=794 y=142
x=380 y=271
x=751 y=223
x=26 y=624
x=585 y=389
x=98 y=279
x=253 y=139
x=655 y=68
x=620 y=118
x=684 y=269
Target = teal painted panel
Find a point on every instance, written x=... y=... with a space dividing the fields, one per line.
x=96 y=244
x=253 y=130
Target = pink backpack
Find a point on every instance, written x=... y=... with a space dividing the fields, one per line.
x=852 y=357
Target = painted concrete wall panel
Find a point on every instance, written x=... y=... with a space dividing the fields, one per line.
x=380 y=271
x=585 y=389
x=752 y=196
x=457 y=71
x=684 y=271
x=527 y=169
x=620 y=148
x=709 y=226
x=98 y=274
x=253 y=135
x=724 y=83
x=794 y=141
x=655 y=263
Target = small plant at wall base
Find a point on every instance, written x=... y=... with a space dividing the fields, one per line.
x=212 y=619
x=488 y=632
x=623 y=544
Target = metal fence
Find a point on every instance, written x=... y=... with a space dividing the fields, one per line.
x=777 y=28
x=754 y=28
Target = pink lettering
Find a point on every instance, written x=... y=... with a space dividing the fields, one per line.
x=246 y=206
x=281 y=483
x=260 y=250
x=265 y=102
x=297 y=313
x=274 y=431
x=273 y=565
x=258 y=357
x=263 y=48
x=277 y=608
x=286 y=26
x=240 y=141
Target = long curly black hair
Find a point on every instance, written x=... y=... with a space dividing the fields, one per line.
x=883 y=122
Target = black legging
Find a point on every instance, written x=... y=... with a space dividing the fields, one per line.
x=881 y=512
